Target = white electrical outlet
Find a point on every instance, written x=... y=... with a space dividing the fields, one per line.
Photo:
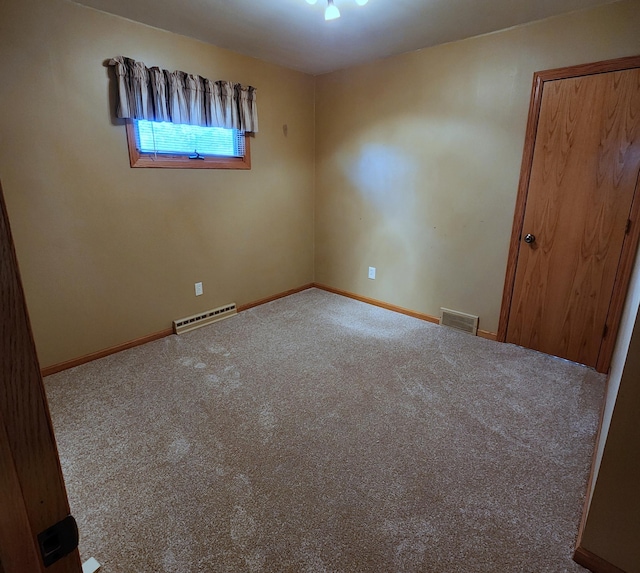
x=372 y=273
x=198 y=289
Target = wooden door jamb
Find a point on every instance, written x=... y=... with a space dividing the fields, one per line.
x=630 y=245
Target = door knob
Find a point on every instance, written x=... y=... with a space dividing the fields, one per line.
x=529 y=238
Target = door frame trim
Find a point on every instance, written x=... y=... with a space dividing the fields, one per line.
x=630 y=245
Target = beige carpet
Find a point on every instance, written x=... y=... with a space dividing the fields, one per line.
x=318 y=434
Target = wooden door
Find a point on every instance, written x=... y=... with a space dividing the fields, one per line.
x=32 y=493
x=576 y=234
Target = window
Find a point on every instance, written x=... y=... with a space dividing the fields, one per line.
x=172 y=145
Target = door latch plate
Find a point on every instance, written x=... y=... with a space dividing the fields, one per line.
x=58 y=540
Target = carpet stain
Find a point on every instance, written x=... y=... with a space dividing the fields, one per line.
x=241 y=487
x=170 y=562
x=242 y=527
x=254 y=561
x=411 y=538
x=178 y=449
x=226 y=383
x=311 y=557
x=230 y=379
x=213 y=349
x=186 y=361
x=268 y=422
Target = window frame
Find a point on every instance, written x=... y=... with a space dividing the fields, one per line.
x=167 y=161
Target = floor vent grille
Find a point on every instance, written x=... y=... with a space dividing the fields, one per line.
x=202 y=319
x=459 y=320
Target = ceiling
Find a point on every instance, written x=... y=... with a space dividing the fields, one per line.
x=295 y=35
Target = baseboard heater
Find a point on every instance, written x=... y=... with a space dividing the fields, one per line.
x=459 y=320
x=202 y=319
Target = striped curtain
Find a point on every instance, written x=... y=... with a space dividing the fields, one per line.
x=178 y=97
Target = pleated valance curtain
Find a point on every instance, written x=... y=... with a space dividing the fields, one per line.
x=178 y=97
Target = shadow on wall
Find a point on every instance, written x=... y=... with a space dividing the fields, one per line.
x=419 y=184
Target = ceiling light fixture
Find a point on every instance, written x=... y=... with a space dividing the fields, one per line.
x=332 y=12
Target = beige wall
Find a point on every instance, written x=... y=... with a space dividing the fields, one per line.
x=109 y=253
x=418 y=159
x=618 y=362
x=613 y=527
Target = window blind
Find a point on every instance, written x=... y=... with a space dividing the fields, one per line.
x=172 y=138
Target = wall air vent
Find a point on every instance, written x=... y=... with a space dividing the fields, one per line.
x=197 y=320
x=459 y=320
